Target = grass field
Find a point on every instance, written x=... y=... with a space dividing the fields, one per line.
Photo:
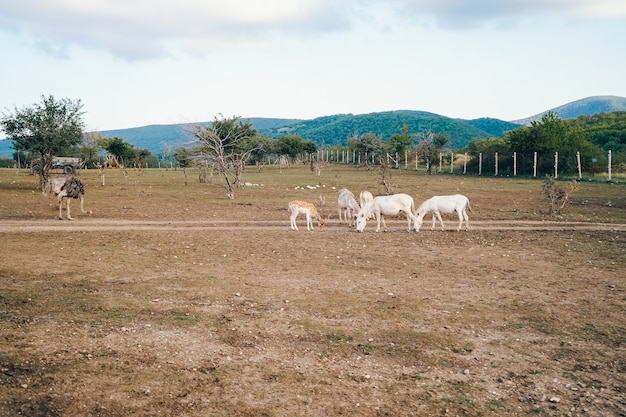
x=171 y=299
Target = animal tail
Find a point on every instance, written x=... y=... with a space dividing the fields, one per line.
x=468 y=206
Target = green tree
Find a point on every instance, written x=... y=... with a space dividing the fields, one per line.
x=290 y=146
x=127 y=154
x=371 y=147
x=549 y=136
x=488 y=148
x=262 y=148
x=45 y=130
x=400 y=142
x=309 y=147
x=227 y=143
x=117 y=147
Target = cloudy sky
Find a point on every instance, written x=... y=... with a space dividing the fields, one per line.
x=139 y=62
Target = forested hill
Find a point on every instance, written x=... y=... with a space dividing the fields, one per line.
x=331 y=130
x=327 y=130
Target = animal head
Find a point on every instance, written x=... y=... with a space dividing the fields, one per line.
x=361 y=221
x=418 y=223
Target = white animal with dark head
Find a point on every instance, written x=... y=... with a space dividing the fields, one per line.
x=66 y=187
x=445 y=204
x=348 y=204
x=387 y=205
x=296 y=207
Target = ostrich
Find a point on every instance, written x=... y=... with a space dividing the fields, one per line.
x=66 y=187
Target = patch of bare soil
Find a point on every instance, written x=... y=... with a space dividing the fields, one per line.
x=262 y=321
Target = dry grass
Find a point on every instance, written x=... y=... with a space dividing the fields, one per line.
x=198 y=305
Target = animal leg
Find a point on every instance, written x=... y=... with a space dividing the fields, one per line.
x=81 y=206
x=440 y=220
x=408 y=218
x=378 y=216
x=294 y=226
x=60 y=209
x=466 y=217
x=460 y=221
x=382 y=217
x=68 y=210
x=309 y=222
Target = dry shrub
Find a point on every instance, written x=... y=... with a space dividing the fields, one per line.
x=557 y=194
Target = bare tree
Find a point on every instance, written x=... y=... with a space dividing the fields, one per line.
x=227 y=144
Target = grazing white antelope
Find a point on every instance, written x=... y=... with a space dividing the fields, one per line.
x=445 y=204
x=387 y=205
x=347 y=202
x=296 y=207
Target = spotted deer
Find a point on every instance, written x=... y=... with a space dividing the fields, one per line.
x=296 y=207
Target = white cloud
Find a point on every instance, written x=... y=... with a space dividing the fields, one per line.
x=140 y=29
x=137 y=29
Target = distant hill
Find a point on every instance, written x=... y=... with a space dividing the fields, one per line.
x=336 y=129
x=158 y=137
x=586 y=106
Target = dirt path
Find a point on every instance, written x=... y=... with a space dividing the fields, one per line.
x=100 y=225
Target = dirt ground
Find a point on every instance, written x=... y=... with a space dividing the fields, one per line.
x=170 y=300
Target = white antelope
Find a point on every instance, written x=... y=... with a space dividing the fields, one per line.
x=445 y=204
x=296 y=207
x=387 y=205
x=346 y=202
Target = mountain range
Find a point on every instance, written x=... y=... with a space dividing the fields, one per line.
x=336 y=129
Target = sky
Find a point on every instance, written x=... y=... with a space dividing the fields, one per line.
x=133 y=63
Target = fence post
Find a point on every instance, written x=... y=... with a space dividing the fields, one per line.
x=496 y=162
x=556 y=165
x=580 y=173
x=480 y=163
x=440 y=162
x=451 y=162
x=535 y=164
x=515 y=163
x=609 y=167
x=465 y=164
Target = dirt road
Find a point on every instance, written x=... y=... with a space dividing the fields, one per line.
x=99 y=225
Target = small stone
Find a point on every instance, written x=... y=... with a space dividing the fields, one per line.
x=555 y=399
x=466 y=372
